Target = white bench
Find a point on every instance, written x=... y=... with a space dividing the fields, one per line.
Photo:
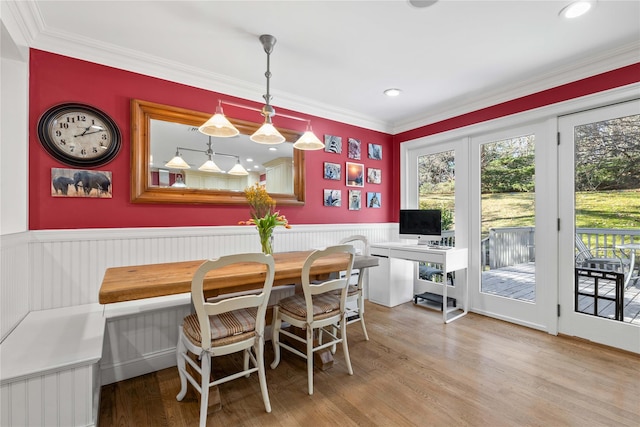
x=141 y=335
x=53 y=363
x=49 y=368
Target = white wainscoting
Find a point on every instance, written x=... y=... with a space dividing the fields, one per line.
x=14 y=281
x=64 y=398
x=68 y=266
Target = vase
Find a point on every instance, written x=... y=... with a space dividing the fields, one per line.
x=266 y=241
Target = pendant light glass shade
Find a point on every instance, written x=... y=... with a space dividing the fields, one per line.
x=308 y=141
x=238 y=170
x=219 y=125
x=177 y=163
x=209 y=166
x=267 y=134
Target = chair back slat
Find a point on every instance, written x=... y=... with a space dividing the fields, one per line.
x=359 y=241
x=311 y=289
x=205 y=309
x=581 y=247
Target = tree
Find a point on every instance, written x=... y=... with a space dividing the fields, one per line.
x=608 y=155
x=508 y=166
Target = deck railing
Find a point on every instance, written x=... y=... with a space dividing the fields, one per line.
x=508 y=246
x=516 y=245
x=607 y=237
x=448 y=238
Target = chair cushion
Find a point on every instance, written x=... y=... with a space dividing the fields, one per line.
x=353 y=290
x=323 y=305
x=233 y=324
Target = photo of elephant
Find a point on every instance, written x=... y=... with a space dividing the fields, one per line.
x=81 y=183
x=62 y=183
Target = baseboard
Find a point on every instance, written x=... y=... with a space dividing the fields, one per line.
x=141 y=366
x=510 y=320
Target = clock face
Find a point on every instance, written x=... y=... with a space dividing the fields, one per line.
x=79 y=135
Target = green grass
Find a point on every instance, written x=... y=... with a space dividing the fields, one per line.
x=608 y=209
x=594 y=209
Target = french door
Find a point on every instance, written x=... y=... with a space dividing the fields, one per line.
x=512 y=214
x=436 y=177
x=599 y=208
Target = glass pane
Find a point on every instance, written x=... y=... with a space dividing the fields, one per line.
x=436 y=190
x=507 y=174
x=607 y=208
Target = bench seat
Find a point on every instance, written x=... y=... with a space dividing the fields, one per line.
x=49 y=368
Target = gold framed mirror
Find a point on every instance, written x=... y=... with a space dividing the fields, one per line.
x=151 y=179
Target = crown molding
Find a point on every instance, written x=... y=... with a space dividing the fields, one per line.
x=578 y=69
x=33 y=33
x=38 y=36
x=21 y=31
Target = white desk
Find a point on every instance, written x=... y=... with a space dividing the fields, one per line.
x=392 y=283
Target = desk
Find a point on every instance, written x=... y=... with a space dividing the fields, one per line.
x=154 y=280
x=394 y=283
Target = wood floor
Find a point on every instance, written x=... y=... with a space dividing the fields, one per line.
x=414 y=371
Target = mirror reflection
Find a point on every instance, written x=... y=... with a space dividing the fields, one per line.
x=172 y=162
x=216 y=163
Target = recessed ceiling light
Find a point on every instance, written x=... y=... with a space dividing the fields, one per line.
x=575 y=9
x=273 y=149
x=392 y=92
x=422 y=3
x=249 y=159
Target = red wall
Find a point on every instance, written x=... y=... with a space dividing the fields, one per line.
x=56 y=79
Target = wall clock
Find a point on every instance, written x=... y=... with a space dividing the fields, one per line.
x=79 y=135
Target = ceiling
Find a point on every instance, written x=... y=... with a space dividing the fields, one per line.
x=334 y=59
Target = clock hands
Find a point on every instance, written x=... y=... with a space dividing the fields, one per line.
x=89 y=133
x=86 y=130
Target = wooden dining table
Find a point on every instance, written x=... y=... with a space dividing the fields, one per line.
x=137 y=282
x=154 y=280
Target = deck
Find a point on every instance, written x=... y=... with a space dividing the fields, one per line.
x=518 y=282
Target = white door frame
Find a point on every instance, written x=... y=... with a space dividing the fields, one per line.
x=605 y=331
x=409 y=200
x=548 y=114
x=532 y=314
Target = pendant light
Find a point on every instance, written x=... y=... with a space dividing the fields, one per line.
x=238 y=169
x=267 y=133
x=177 y=162
x=218 y=125
x=210 y=165
x=308 y=141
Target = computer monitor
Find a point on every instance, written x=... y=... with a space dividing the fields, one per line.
x=425 y=225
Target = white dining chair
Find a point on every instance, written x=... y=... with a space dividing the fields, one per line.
x=318 y=310
x=230 y=325
x=355 y=292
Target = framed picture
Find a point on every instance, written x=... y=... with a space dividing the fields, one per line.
x=332 y=171
x=332 y=197
x=354 y=149
x=355 y=200
x=81 y=183
x=374 y=200
x=375 y=151
x=374 y=176
x=333 y=144
x=355 y=174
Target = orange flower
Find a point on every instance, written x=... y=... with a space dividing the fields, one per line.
x=262 y=208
